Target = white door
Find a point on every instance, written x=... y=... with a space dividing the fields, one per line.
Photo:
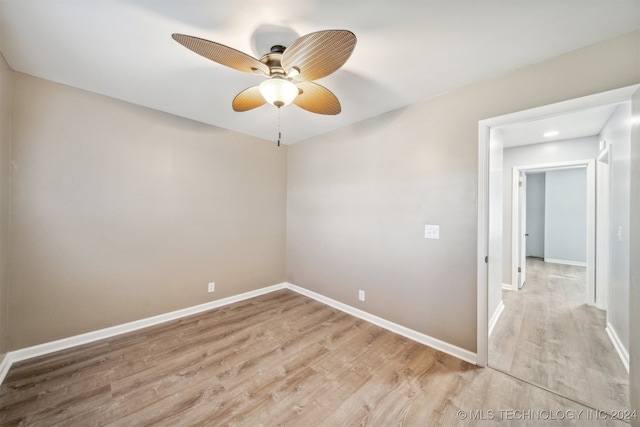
x=522 y=229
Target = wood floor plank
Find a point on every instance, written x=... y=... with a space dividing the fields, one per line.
x=278 y=359
x=548 y=335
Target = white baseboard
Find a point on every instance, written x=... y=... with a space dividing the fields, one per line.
x=435 y=343
x=565 y=262
x=617 y=344
x=507 y=286
x=5 y=365
x=496 y=316
x=65 y=343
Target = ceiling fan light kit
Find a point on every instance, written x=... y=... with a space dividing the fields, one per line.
x=278 y=91
x=290 y=70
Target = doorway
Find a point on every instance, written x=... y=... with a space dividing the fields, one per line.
x=488 y=253
x=567 y=222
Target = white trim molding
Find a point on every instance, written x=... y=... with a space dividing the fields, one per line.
x=507 y=286
x=565 y=262
x=496 y=316
x=89 y=337
x=435 y=343
x=5 y=365
x=617 y=344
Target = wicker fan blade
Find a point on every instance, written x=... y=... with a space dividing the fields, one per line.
x=222 y=54
x=248 y=99
x=317 y=99
x=319 y=54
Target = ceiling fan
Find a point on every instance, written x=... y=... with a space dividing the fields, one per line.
x=289 y=70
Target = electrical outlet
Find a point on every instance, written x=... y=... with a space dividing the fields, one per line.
x=431 y=231
x=211 y=287
x=361 y=295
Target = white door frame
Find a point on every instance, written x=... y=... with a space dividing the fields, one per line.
x=519 y=209
x=484 y=126
x=603 y=227
x=591 y=217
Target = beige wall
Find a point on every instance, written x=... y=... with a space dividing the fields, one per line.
x=359 y=197
x=5 y=176
x=121 y=212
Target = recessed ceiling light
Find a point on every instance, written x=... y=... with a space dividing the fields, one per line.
x=551 y=133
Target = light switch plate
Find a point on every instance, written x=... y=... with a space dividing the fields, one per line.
x=431 y=231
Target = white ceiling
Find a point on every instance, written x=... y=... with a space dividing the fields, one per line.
x=578 y=124
x=407 y=51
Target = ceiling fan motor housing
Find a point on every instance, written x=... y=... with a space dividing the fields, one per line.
x=273 y=61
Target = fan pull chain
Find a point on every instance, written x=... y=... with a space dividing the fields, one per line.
x=279 y=133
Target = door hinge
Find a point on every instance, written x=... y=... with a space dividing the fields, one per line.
x=486 y=259
x=519 y=270
x=519 y=183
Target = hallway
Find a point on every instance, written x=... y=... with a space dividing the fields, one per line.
x=548 y=335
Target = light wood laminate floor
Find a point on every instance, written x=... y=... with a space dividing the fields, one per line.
x=280 y=359
x=547 y=334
